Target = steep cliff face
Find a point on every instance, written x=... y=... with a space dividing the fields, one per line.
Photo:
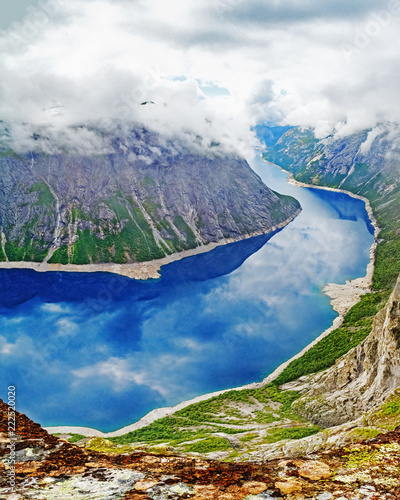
x=362 y=378
x=142 y=201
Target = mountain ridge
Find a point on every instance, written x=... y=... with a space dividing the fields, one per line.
x=141 y=203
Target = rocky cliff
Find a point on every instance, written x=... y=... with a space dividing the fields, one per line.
x=142 y=201
x=361 y=379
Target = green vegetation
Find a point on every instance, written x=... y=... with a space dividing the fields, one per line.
x=129 y=238
x=75 y=438
x=281 y=433
x=202 y=419
x=388 y=415
x=357 y=458
x=356 y=327
x=387 y=264
x=200 y=412
x=249 y=437
x=164 y=429
x=265 y=418
x=365 y=433
x=151 y=208
x=367 y=307
x=199 y=222
x=391 y=408
x=147 y=181
x=14 y=252
x=184 y=228
x=60 y=256
x=326 y=352
x=45 y=196
x=35 y=253
x=208 y=445
x=103 y=445
x=10 y=154
x=27 y=253
x=2 y=255
x=136 y=237
x=135 y=241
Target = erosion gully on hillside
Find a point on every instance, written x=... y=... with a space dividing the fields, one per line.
x=50 y=468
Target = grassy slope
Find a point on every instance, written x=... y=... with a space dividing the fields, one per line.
x=230 y=423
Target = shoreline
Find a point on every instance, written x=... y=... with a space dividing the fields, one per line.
x=139 y=270
x=342 y=299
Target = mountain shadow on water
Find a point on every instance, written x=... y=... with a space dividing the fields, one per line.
x=19 y=286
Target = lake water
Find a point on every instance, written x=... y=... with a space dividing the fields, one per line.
x=102 y=350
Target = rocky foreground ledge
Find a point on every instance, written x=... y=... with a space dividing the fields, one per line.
x=47 y=467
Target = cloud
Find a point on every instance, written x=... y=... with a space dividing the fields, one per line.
x=258 y=12
x=54 y=308
x=67 y=327
x=70 y=69
x=6 y=347
x=123 y=374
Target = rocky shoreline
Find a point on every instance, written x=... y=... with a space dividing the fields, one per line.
x=138 y=270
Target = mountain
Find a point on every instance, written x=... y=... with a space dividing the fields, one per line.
x=143 y=200
x=367 y=164
x=326 y=427
x=364 y=377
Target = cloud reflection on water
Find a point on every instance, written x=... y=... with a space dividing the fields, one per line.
x=80 y=354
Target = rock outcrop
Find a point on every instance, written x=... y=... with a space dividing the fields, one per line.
x=46 y=467
x=362 y=378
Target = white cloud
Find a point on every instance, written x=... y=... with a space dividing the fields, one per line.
x=329 y=66
x=54 y=308
x=115 y=369
x=142 y=370
x=5 y=346
x=66 y=327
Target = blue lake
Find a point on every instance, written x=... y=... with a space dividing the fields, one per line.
x=102 y=350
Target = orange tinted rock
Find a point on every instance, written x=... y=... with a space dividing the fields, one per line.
x=94 y=465
x=145 y=484
x=254 y=487
x=208 y=492
x=314 y=470
x=289 y=486
x=78 y=470
x=4 y=437
x=135 y=496
x=27 y=467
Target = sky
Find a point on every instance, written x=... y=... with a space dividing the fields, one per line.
x=209 y=70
